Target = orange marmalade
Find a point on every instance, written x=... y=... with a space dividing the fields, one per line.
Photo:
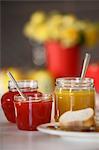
x=73 y=94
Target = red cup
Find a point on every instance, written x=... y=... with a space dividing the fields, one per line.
x=32 y=112
x=62 y=61
x=93 y=72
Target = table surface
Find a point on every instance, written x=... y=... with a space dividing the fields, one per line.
x=13 y=139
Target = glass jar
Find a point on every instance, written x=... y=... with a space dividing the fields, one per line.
x=73 y=94
x=7 y=101
x=32 y=112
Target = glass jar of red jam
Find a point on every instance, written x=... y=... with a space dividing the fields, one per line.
x=28 y=87
x=32 y=111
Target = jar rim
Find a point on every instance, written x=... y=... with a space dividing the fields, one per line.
x=44 y=97
x=74 y=81
x=24 y=84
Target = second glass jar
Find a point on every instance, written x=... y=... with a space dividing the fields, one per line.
x=73 y=94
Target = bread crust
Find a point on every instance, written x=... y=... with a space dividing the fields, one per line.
x=77 y=123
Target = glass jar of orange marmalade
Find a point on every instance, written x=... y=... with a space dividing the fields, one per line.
x=73 y=94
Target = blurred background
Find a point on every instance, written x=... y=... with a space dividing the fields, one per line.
x=25 y=57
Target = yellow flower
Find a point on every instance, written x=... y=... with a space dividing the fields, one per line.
x=55 y=20
x=36 y=28
x=38 y=33
x=91 y=35
x=28 y=30
x=80 y=25
x=54 y=24
x=70 y=36
x=69 y=20
x=41 y=33
x=54 y=33
x=66 y=28
x=37 y=18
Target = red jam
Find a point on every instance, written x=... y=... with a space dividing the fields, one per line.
x=7 y=101
x=8 y=105
x=30 y=114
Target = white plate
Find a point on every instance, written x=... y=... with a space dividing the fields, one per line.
x=68 y=134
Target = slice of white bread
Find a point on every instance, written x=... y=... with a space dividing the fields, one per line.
x=83 y=117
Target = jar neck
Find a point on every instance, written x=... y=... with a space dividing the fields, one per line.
x=25 y=85
x=28 y=89
x=74 y=83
